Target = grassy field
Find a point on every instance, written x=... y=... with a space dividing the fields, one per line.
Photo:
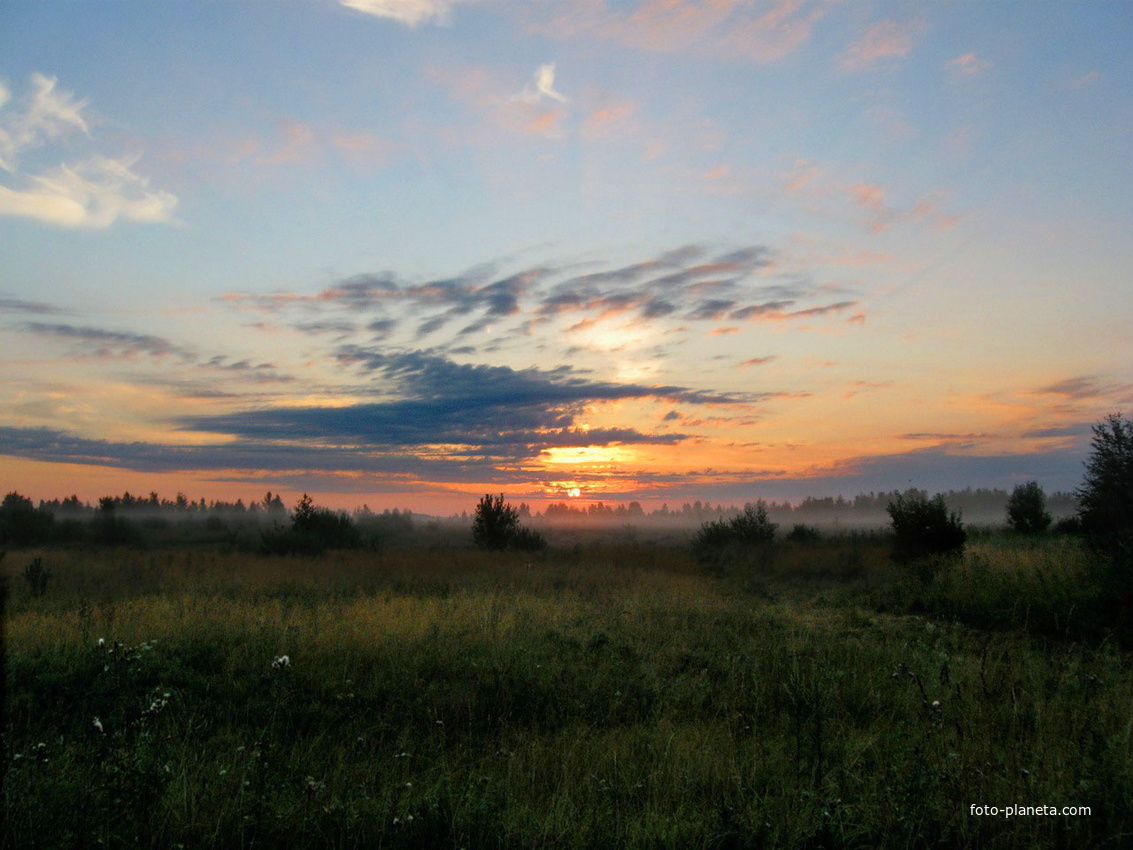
x=602 y=695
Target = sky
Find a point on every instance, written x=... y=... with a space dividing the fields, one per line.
x=406 y=252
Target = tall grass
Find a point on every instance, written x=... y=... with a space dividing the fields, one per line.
x=613 y=697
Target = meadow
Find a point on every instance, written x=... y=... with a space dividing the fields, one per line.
x=603 y=693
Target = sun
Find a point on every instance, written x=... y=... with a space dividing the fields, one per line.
x=574 y=492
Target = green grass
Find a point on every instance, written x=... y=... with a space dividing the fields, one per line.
x=612 y=696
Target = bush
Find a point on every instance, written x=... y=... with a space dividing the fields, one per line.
x=750 y=529
x=803 y=534
x=496 y=526
x=1026 y=509
x=37 y=576
x=1106 y=494
x=313 y=531
x=527 y=540
x=924 y=527
x=1068 y=525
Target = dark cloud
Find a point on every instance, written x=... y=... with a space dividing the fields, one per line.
x=257 y=373
x=422 y=374
x=938 y=435
x=755 y=311
x=432 y=325
x=1080 y=430
x=103 y=343
x=836 y=307
x=382 y=328
x=710 y=310
x=690 y=281
x=656 y=308
x=327 y=327
x=15 y=305
x=1084 y=386
x=482 y=411
x=452 y=297
x=938 y=469
x=49 y=445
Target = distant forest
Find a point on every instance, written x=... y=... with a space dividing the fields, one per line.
x=983 y=506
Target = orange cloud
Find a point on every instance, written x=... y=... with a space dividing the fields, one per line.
x=546 y=124
x=607 y=120
x=869 y=196
x=967 y=65
x=881 y=216
x=805 y=173
x=717 y=28
x=755 y=361
x=296 y=143
x=884 y=40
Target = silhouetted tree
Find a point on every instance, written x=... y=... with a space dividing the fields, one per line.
x=924 y=527
x=313 y=530
x=496 y=526
x=1106 y=494
x=1026 y=509
x=21 y=524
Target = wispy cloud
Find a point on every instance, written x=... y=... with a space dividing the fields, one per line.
x=48 y=114
x=967 y=65
x=16 y=305
x=756 y=361
x=408 y=12
x=884 y=42
x=1087 y=388
x=94 y=192
x=542 y=86
x=688 y=284
x=1081 y=81
x=881 y=216
x=721 y=29
x=98 y=342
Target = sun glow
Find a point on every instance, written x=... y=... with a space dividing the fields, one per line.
x=580 y=455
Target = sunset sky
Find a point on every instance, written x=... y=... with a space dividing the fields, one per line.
x=404 y=252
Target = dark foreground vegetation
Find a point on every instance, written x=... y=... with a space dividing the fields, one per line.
x=807 y=689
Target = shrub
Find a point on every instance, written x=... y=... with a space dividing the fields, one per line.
x=1068 y=525
x=924 y=527
x=803 y=534
x=750 y=529
x=527 y=540
x=37 y=576
x=313 y=531
x=496 y=526
x=1026 y=509
x=1106 y=494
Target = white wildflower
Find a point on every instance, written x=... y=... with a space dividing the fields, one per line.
x=281 y=663
x=98 y=726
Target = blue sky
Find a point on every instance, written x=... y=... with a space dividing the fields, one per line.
x=404 y=251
